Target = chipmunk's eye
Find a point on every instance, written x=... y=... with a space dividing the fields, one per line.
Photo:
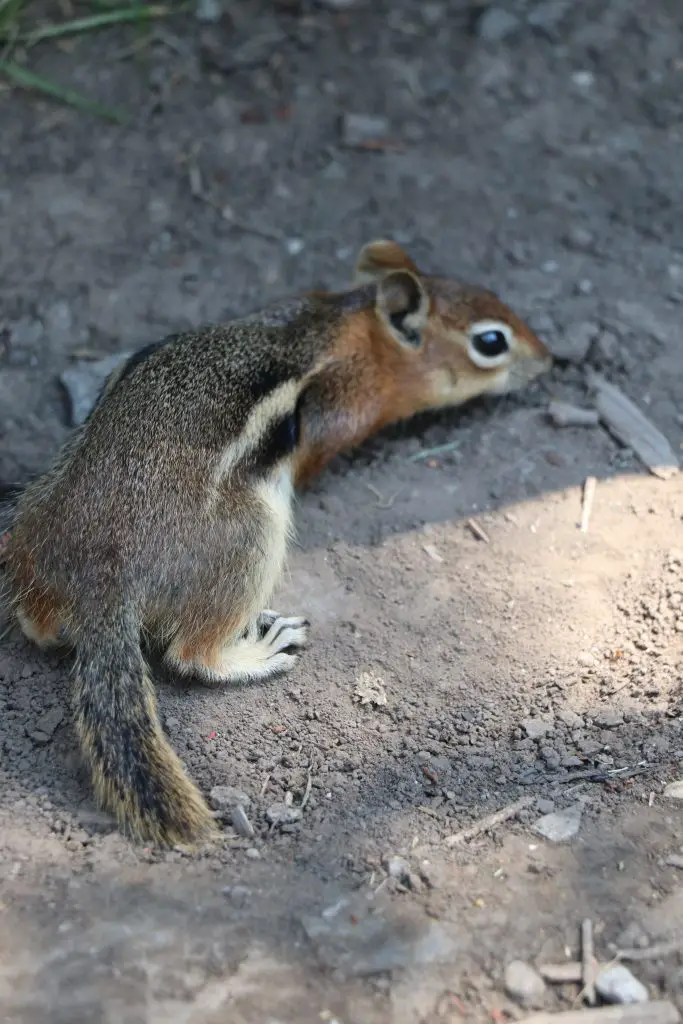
x=489 y=343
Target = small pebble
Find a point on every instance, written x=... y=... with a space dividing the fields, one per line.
x=240 y=822
x=674 y=791
x=616 y=984
x=496 y=24
x=609 y=718
x=283 y=814
x=523 y=984
x=560 y=826
x=535 y=728
x=358 y=129
x=252 y=853
x=224 y=798
x=578 y=238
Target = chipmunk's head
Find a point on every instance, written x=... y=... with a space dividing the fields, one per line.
x=463 y=340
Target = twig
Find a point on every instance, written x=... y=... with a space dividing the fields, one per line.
x=307 y=791
x=383 y=502
x=588 y=498
x=440 y=449
x=489 y=822
x=562 y=974
x=264 y=787
x=660 y=1012
x=652 y=952
x=478 y=531
x=587 y=962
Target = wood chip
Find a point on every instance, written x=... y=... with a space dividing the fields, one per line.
x=660 y=1012
x=489 y=822
x=430 y=550
x=589 y=487
x=478 y=531
x=564 y=414
x=630 y=426
x=588 y=962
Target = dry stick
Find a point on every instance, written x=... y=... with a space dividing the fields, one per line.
x=489 y=822
x=307 y=791
x=562 y=974
x=660 y=1012
x=588 y=497
x=587 y=963
x=652 y=952
x=478 y=531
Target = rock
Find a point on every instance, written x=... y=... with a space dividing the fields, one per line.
x=370 y=689
x=523 y=984
x=608 y=718
x=240 y=822
x=361 y=939
x=43 y=728
x=398 y=867
x=497 y=24
x=84 y=382
x=359 y=129
x=545 y=806
x=578 y=238
x=616 y=984
x=574 y=343
x=560 y=826
x=283 y=814
x=547 y=15
x=535 y=728
x=208 y=11
x=570 y=718
x=607 y=347
x=252 y=853
x=674 y=791
x=225 y=798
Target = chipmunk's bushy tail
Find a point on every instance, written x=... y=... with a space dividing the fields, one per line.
x=135 y=772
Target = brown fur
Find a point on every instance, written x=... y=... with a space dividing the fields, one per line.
x=168 y=513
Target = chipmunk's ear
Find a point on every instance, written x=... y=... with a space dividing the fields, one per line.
x=403 y=306
x=379 y=258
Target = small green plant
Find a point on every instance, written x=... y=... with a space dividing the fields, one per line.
x=19 y=33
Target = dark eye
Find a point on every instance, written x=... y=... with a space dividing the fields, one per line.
x=490 y=343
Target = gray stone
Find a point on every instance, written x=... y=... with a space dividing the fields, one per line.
x=523 y=984
x=674 y=791
x=224 y=798
x=609 y=718
x=283 y=814
x=570 y=718
x=44 y=727
x=359 y=129
x=497 y=24
x=574 y=343
x=240 y=822
x=59 y=321
x=208 y=11
x=535 y=728
x=578 y=238
x=560 y=826
x=545 y=806
x=616 y=984
x=84 y=382
x=547 y=16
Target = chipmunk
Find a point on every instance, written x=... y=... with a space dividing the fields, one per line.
x=409 y=342
x=166 y=515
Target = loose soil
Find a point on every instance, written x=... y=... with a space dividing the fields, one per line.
x=546 y=165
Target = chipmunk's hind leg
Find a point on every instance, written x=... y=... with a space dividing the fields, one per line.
x=39 y=618
x=267 y=647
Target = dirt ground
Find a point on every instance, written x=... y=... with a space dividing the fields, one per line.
x=546 y=164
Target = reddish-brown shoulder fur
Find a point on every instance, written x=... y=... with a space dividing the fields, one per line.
x=406 y=348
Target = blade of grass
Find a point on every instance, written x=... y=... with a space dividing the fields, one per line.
x=95 y=21
x=22 y=76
